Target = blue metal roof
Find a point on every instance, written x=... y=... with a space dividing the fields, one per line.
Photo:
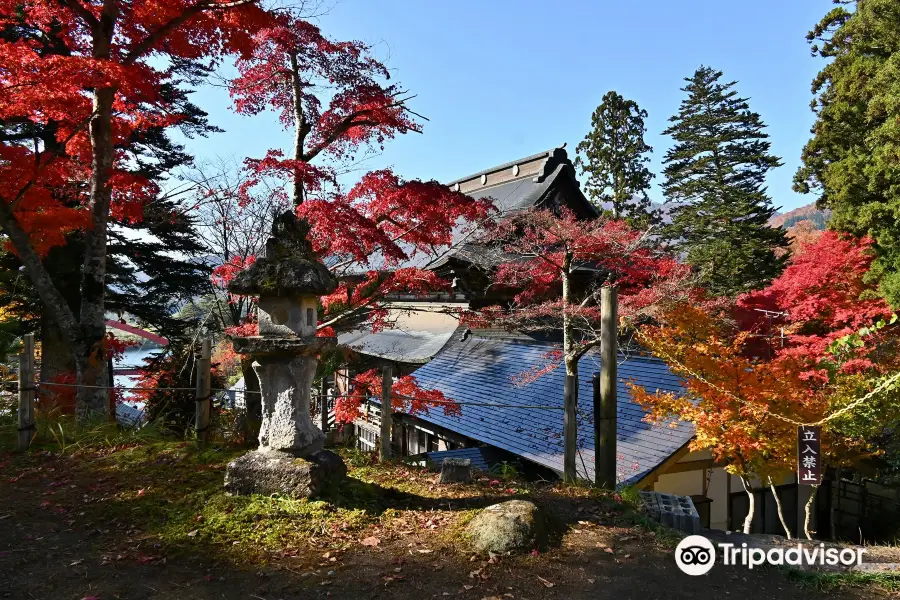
x=483 y=371
x=476 y=455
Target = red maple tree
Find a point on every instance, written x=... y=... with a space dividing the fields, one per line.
x=84 y=70
x=824 y=294
x=380 y=236
x=406 y=396
x=554 y=267
x=802 y=350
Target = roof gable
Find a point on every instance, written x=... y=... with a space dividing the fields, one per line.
x=527 y=182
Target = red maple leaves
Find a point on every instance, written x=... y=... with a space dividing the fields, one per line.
x=406 y=397
x=540 y=246
x=379 y=236
x=823 y=294
x=553 y=267
x=292 y=62
x=47 y=74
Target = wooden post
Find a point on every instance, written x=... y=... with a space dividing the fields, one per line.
x=203 y=364
x=26 y=392
x=570 y=428
x=112 y=390
x=323 y=404
x=387 y=381
x=605 y=392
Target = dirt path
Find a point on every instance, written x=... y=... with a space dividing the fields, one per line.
x=52 y=549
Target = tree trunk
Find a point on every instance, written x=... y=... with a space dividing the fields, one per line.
x=57 y=366
x=299 y=128
x=93 y=397
x=787 y=531
x=54 y=303
x=751 y=504
x=807 y=517
x=570 y=395
x=90 y=359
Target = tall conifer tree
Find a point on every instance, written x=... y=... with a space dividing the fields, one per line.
x=614 y=156
x=853 y=159
x=715 y=181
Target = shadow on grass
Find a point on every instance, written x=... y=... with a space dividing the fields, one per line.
x=172 y=495
x=153 y=522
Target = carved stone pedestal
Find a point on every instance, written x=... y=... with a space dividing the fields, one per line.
x=285 y=383
x=274 y=472
x=288 y=281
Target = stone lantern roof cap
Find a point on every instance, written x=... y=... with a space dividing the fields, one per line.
x=289 y=268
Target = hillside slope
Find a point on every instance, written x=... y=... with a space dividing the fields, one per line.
x=819 y=218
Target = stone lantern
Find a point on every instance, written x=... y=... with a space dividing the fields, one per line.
x=288 y=281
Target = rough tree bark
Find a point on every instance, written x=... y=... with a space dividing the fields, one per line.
x=787 y=531
x=808 y=513
x=57 y=361
x=751 y=504
x=90 y=362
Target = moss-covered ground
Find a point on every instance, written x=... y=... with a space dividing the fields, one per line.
x=149 y=519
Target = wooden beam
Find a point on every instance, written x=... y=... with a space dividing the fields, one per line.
x=692 y=465
x=650 y=478
x=605 y=387
x=387 y=382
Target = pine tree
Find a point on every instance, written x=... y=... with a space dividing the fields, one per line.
x=715 y=181
x=852 y=160
x=614 y=156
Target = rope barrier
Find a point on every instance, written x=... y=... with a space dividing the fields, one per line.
x=842 y=411
x=362 y=397
x=455 y=403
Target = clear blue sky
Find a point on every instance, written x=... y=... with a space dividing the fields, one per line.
x=500 y=79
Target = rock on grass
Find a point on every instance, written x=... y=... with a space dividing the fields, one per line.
x=508 y=527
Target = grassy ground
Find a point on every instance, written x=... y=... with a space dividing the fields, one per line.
x=148 y=519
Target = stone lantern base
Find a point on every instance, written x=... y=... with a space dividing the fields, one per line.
x=290 y=459
x=273 y=472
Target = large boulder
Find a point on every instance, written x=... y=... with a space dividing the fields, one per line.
x=274 y=472
x=508 y=526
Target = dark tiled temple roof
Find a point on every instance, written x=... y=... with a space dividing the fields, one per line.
x=516 y=185
x=412 y=340
x=480 y=370
x=519 y=185
x=520 y=193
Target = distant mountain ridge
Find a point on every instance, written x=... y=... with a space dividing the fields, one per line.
x=819 y=218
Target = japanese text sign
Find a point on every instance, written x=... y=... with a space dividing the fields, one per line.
x=809 y=455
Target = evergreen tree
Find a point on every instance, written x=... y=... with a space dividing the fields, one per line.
x=852 y=160
x=715 y=181
x=153 y=262
x=614 y=156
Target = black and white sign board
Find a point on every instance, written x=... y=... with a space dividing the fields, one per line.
x=809 y=455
